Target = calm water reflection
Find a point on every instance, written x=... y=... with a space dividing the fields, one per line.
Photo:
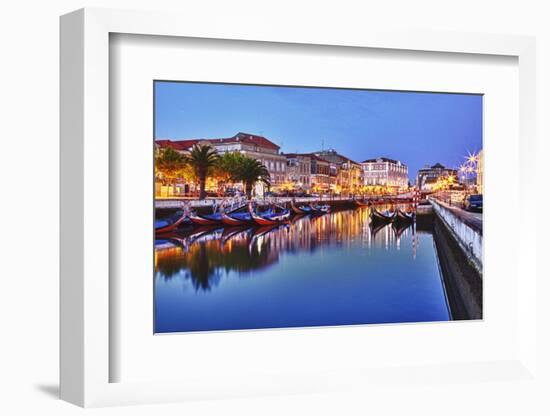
x=332 y=270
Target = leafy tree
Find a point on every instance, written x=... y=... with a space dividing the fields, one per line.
x=169 y=165
x=203 y=160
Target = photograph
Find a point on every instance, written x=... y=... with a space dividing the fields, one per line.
x=301 y=206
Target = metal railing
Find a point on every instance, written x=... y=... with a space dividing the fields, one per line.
x=175 y=203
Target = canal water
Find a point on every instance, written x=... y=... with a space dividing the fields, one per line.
x=336 y=269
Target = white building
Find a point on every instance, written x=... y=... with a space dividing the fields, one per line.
x=383 y=171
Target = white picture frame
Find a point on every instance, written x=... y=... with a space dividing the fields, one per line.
x=85 y=212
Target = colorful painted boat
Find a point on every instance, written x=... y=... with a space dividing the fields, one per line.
x=168 y=225
x=320 y=209
x=405 y=216
x=237 y=218
x=386 y=216
x=300 y=209
x=273 y=217
x=205 y=219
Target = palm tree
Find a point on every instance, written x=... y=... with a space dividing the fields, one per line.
x=202 y=159
x=251 y=171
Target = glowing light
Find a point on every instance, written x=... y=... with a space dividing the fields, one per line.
x=471 y=158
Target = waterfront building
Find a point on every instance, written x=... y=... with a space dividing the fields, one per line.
x=333 y=170
x=298 y=171
x=427 y=177
x=385 y=172
x=251 y=145
x=479 y=173
x=259 y=148
x=320 y=174
x=346 y=175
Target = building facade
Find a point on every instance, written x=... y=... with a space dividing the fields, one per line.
x=250 y=145
x=298 y=171
x=479 y=172
x=385 y=172
x=427 y=177
x=259 y=148
x=347 y=174
x=320 y=174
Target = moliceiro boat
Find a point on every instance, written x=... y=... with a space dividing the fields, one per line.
x=169 y=225
x=405 y=216
x=237 y=218
x=385 y=216
x=276 y=216
x=300 y=209
x=320 y=209
x=206 y=219
x=360 y=203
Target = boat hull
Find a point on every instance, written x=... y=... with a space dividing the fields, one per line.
x=405 y=216
x=300 y=210
x=321 y=209
x=203 y=220
x=378 y=216
x=227 y=219
x=171 y=227
x=271 y=221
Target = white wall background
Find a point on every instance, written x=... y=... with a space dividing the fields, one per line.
x=29 y=56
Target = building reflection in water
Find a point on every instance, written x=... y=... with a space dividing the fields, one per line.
x=204 y=255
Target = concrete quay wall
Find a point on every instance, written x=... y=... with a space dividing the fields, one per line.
x=469 y=237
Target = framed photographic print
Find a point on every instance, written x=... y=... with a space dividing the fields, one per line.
x=250 y=235
x=270 y=212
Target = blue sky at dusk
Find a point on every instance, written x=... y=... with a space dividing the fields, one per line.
x=416 y=128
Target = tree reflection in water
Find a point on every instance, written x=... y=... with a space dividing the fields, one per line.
x=217 y=252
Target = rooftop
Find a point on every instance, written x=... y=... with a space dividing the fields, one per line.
x=436 y=166
x=332 y=154
x=293 y=155
x=383 y=159
x=247 y=138
x=180 y=145
x=240 y=137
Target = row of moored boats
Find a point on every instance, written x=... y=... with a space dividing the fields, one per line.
x=247 y=214
x=252 y=213
x=397 y=215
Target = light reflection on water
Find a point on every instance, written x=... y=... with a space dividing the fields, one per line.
x=335 y=269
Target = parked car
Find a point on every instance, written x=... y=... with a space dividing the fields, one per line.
x=474 y=203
